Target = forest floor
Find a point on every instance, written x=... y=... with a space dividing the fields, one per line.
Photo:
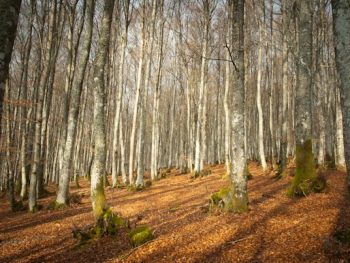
x=275 y=229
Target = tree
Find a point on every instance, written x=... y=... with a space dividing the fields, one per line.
x=258 y=87
x=98 y=198
x=341 y=30
x=117 y=122
x=200 y=129
x=36 y=172
x=305 y=168
x=75 y=94
x=236 y=200
x=9 y=12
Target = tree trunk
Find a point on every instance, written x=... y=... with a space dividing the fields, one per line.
x=199 y=147
x=9 y=12
x=284 y=138
x=117 y=121
x=237 y=198
x=258 y=96
x=98 y=167
x=305 y=167
x=63 y=188
x=341 y=29
x=36 y=167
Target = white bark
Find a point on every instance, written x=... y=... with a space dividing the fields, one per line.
x=258 y=98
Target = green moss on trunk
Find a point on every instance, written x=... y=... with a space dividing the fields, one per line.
x=305 y=173
x=229 y=200
x=98 y=201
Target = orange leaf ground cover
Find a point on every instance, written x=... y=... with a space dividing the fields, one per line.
x=275 y=229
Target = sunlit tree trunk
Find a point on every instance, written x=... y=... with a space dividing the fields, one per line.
x=227 y=113
x=258 y=94
x=340 y=154
x=73 y=113
x=117 y=121
x=141 y=144
x=199 y=147
x=237 y=199
x=98 y=167
x=155 y=114
x=136 y=104
x=39 y=110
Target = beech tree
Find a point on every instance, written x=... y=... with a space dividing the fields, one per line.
x=171 y=86
x=76 y=90
x=341 y=27
x=98 y=198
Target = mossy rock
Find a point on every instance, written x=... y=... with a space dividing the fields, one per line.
x=140 y=235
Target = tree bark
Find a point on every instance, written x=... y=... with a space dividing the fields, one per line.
x=63 y=188
x=341 y=30
x=98 y=166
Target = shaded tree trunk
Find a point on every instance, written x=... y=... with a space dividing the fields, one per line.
x=341 y=29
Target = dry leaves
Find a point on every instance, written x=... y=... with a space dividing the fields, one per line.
x=276 y=228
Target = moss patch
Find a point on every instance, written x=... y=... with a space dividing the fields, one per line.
x=227 y=199
x=107 y=224
x=140 y=235
x=305 y=172
x=217 y=199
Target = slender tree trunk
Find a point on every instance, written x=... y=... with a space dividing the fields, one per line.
x=341 y=29
x=155 y=114
x=98 y=167
x=284 y=138
x=136 y=105
x=117 y=122
x=258 y=97
x=340 y=160
x=199 y=147
x=73 y=113
x=38 y=116
x=227 y=116
x=141 y=150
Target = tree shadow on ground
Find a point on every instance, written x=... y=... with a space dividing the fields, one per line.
x=337 y=249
